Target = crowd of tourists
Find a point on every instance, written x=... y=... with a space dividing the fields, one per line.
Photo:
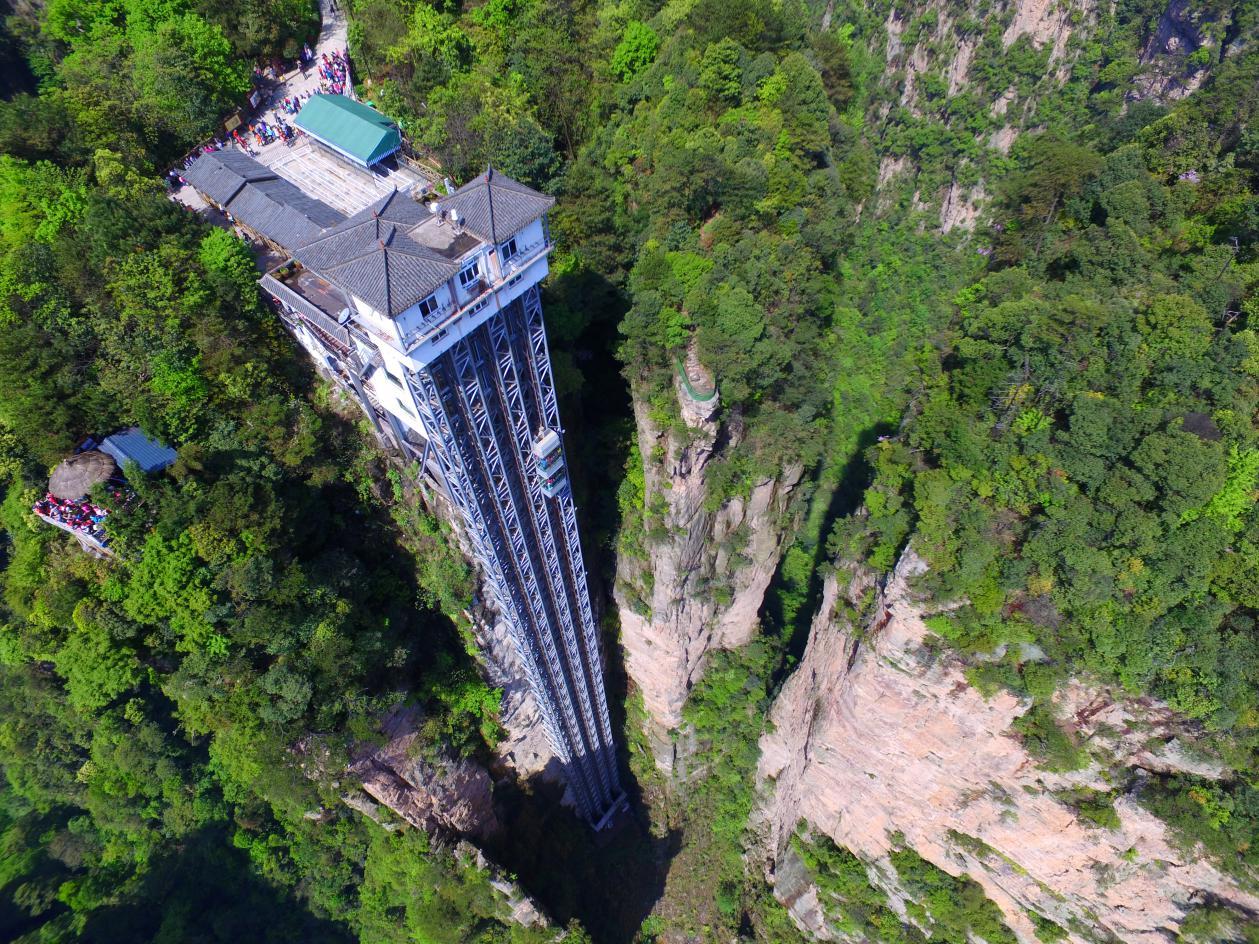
x=76 y=514
x=334 y=70
x=263 y=132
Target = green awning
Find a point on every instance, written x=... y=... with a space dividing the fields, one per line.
x=350 y=128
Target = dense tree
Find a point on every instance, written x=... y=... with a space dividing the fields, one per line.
x=158 y=705
x=1073 y=386
x=1083 y=464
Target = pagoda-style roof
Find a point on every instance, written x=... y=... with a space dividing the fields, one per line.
x=371 y=256
x=493 y=206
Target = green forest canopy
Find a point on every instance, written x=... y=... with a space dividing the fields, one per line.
x=1076 y=453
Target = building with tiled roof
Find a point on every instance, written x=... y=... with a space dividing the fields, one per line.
x=260 y=200
x=494 y=205
x=430 y=314
x=371 y=257
x=356 y=132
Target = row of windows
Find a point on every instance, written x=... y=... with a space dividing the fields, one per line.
x=468 y=275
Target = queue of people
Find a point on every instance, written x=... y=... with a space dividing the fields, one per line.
x=271 y=125
x=334 y=72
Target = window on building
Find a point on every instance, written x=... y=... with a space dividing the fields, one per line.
x=470 y=273
x=428 y=306
x=392 y=377
x=509 y=249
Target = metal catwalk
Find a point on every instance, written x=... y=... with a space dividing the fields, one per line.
x=489 y=402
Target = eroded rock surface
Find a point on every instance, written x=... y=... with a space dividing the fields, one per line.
x=1170 y=69
x=445 y=794
x=515 y=905
x=524 y=750
x=876 y=734
x=706 y=570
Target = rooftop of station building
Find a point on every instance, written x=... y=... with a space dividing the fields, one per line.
x=355 y=130
x=380 y=242
x=336 y=182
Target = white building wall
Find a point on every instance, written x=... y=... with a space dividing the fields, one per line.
x=523 y=271
x=395 y=400
x=528 y=240
x=374 y=321
x=411 y=319
x=465 y=295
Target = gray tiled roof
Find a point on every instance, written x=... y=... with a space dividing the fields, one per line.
x=281 y=212
x=260 y=199
x=514 y=205
x=221 y=174
x=370 y=256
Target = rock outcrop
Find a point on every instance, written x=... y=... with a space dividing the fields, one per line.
x=524 y=749
x=878 y=739
x=706 y=570
x=1175 y=60
x=933 y=47
x=446 y=794
x=514 y=904
x=919 y=59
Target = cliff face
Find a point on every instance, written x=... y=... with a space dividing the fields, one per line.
x=1176 y=57
x=706 y=569
x=935 y=52
x=701 y=573
x=935 y=47
x=876 y=735
x=524 y=750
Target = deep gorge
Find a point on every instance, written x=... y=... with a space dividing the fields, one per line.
x=909 y=388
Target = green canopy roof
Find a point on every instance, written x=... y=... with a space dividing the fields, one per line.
x=352 y=129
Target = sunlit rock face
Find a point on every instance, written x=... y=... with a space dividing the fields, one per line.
x=705 y=574
x=442 y=794
x=876 y=737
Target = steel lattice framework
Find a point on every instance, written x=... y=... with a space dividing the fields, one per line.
x=484 y=402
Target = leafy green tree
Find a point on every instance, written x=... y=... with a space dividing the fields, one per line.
x=635 y=51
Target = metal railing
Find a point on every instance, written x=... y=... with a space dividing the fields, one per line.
x=306 y=309
x=690 y=387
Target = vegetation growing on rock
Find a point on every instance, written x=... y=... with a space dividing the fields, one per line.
x=1029 y=352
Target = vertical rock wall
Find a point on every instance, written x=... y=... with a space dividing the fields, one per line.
x=707 y=569
x=876 y=734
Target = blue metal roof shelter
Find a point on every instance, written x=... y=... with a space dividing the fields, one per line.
x=131 y=445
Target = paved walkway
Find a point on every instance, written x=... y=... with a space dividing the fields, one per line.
x=332 y=36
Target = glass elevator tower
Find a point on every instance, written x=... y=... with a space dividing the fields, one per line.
x=489 y=403
x=429 y=313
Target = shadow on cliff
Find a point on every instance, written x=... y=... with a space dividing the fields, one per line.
x=205 y=890
x=609 y=880
x=788 y=605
